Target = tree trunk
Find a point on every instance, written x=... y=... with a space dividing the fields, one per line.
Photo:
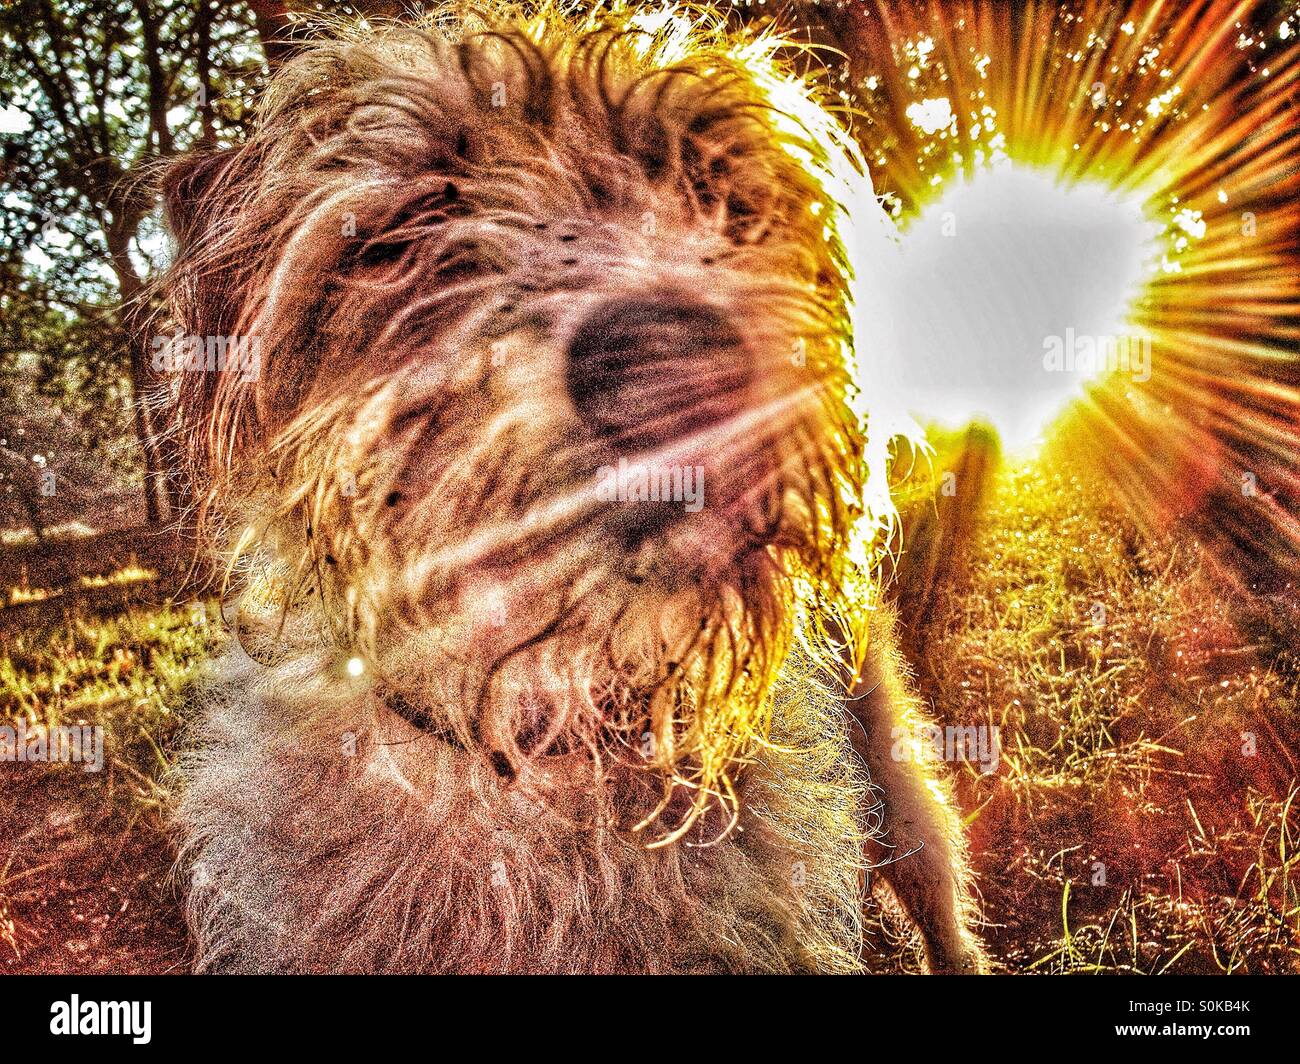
x=133 y=317
x=272 y=20
x=143 y=425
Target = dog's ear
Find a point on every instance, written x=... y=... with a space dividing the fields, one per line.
x=199 y=192
x=191 y=191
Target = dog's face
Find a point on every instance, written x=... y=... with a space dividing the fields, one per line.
x=551 y=397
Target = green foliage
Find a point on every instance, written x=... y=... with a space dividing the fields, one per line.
x=106 y=88
x=95 y=95
x=65 y=427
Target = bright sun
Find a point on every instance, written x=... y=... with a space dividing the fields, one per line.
x=1014 y=291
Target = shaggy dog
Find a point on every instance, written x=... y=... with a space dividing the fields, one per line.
x=539 y=495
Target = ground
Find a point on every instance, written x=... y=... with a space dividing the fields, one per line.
x=1141 y=818
x=84 y=857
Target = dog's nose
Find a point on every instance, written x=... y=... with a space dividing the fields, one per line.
x=650 y=371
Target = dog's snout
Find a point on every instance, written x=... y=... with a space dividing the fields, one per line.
x=645 y=371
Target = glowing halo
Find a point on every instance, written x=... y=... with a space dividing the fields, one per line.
x=1193 y=110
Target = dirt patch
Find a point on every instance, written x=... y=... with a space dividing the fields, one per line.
x=83 y=888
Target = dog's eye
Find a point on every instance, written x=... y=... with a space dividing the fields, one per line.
x=415 y=223
x=378 y=253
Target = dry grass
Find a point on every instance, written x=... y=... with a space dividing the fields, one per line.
x=126 y=674
x=1129 y=827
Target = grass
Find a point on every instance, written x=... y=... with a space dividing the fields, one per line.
x=126 y=674
x=1144 y=817
x=84 y=871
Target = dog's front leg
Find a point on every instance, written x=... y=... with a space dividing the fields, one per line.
x=921 y=854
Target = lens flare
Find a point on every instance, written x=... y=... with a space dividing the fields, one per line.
x=1189 y=110
x=1015 y=290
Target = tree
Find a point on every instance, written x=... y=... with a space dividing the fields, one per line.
x=96 y=94
x=65 y=428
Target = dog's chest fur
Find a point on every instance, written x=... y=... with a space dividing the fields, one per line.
x=323 y=833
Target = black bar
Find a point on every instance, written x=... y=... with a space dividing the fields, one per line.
x=295 y=1013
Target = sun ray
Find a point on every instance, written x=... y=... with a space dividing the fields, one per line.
x=1192 y=108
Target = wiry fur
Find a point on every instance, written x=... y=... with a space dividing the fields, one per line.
x=414 y=856
x=620 y=764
